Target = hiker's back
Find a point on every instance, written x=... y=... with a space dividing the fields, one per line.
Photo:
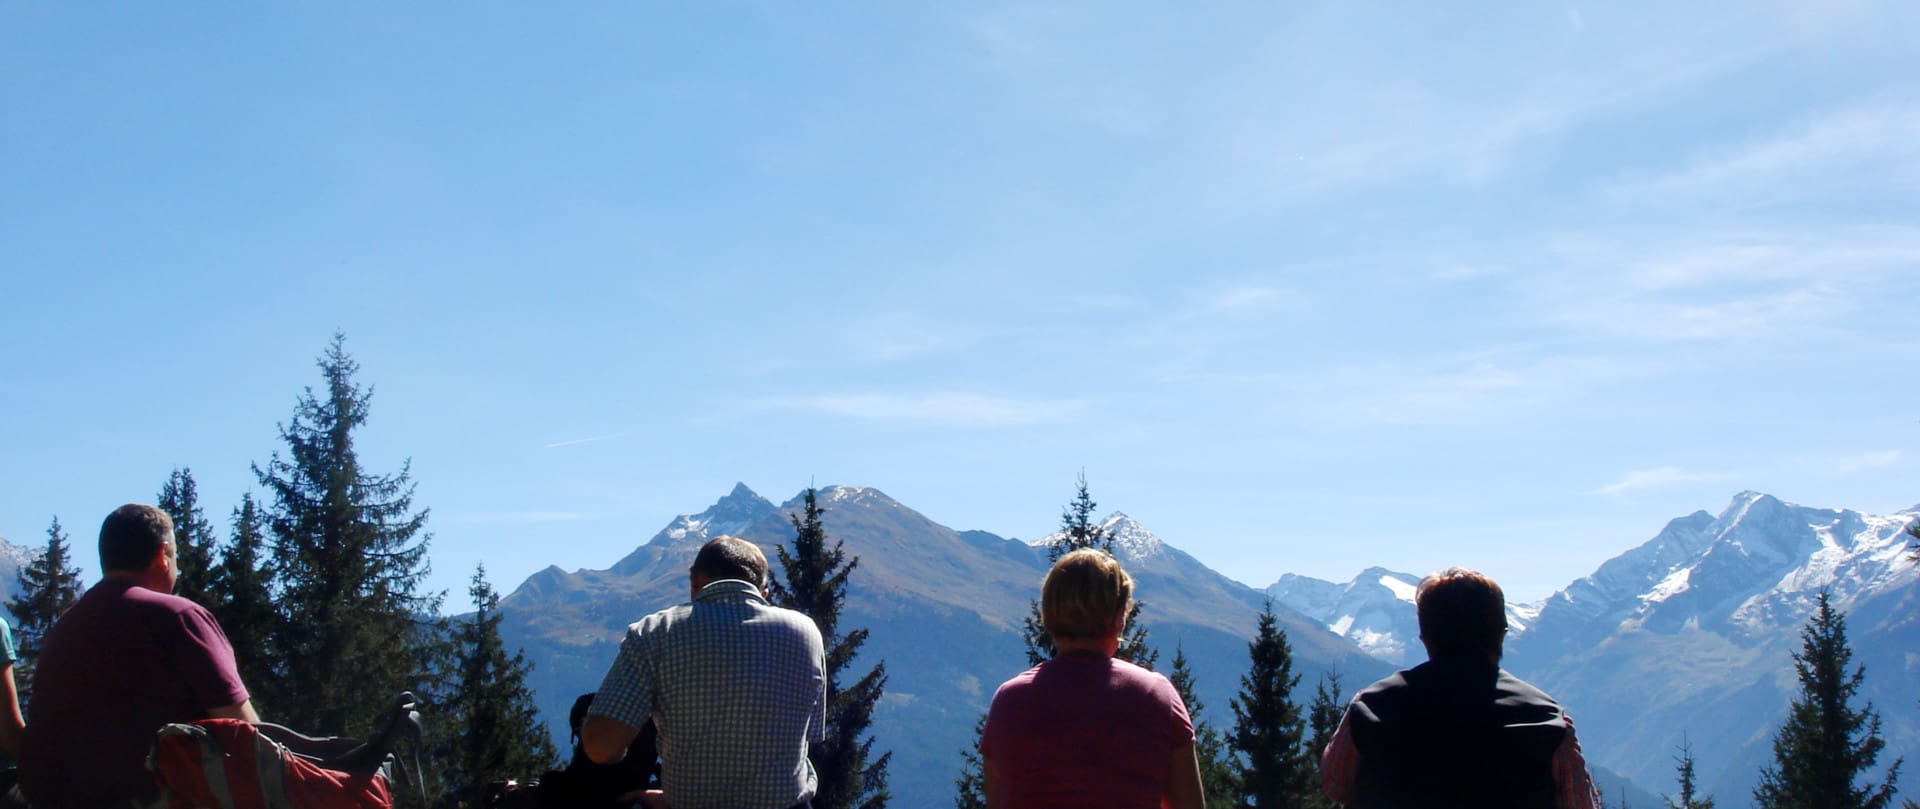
x=1446 y=736
x=122 y=662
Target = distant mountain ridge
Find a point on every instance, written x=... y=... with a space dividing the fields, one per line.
x=1689 y=633
x=14 y=558
x=944 y=609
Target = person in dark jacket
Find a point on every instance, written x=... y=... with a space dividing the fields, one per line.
x=1456 y=731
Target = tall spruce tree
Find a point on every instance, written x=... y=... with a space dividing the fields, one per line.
x=193 y=537
x=240 y=598
x=1826 y=746
x=1209 y=744
x=1079 y=530
x=1323 y=720
x=1690 y=797
x=48 y=586
x=493 y=732
x=349 y=556
x=814 y=581
x=970 y=789
x=1269 y=732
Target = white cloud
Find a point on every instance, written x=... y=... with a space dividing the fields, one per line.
x=950 y=409
x=499 y=517
x=1876 y=144
x=1661 y=477
x=901 y=335
x=574 y=442
x=1858 y=462
x=1722 y=285
x=1247 y=299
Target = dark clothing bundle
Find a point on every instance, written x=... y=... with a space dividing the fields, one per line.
x=1428 y=738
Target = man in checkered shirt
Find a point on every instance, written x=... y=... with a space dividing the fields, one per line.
x=737 y=687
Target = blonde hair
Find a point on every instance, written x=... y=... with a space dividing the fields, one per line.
x=1083 y=596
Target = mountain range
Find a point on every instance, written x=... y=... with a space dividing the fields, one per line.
x=944 y=608
x=1687 y=635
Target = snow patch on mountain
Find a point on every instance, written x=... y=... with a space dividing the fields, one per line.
x=1374 y=610
x=729 y=516
x=1132 y=542
x=1400 y=589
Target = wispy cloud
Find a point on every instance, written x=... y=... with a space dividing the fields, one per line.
x=1461 y=389
x=1720 y=285
x=509 y=517
x=1843 y=464
x=1247 y=298
x=574 y=442
x=949 y=409
x=1657 y=478
x=1876 y=144
x=901 y=335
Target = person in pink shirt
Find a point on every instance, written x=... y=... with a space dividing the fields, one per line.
x=125 y=659
x=1084 y=729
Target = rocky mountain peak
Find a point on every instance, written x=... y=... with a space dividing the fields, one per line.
x=1132 y=542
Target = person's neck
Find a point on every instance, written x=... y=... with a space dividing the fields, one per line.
x=1104 y=647
x=141 y=579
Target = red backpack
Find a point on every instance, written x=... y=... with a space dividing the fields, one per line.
x=229 y=764
x=232 y=764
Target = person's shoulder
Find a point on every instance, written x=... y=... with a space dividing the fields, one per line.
x=1513 y=684
x=1018 y=682
x=794 y=618
x=1393 y=682
x=1141 y=674
x=157 y=601
x=660 y=619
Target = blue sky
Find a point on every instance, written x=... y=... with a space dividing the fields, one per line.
x=1303 y=287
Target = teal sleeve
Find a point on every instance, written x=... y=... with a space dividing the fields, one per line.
x=6 y=643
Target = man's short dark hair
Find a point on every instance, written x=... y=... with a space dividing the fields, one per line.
x=131 y=535
x=1461 y=612
x=727 y=557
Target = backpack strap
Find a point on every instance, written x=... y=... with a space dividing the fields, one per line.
x=270 y=765
x=212 y=759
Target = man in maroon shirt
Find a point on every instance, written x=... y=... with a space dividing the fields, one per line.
x=127 y=658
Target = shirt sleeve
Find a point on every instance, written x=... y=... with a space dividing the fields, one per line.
x=1179 y=721
x=7 y=656
x=205 y=661
x=1572 y=785
x=1340 y=763
x=625 y=695
x=817 y=724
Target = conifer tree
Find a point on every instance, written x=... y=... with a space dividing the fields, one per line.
x=814 y=581
x=1078 y=530
x=970 y=789
x=1826 y=746
x=1323 y=720
x=1690 y=797
x=1209 y=744
x=48 y=586
x=239 y=597
x=493 y=730
x=349 y=556
x=193 y=537
x=1269 y=733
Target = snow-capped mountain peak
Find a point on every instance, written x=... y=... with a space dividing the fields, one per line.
x=1374 y=610
x=1132 y=542
x=730 y=515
